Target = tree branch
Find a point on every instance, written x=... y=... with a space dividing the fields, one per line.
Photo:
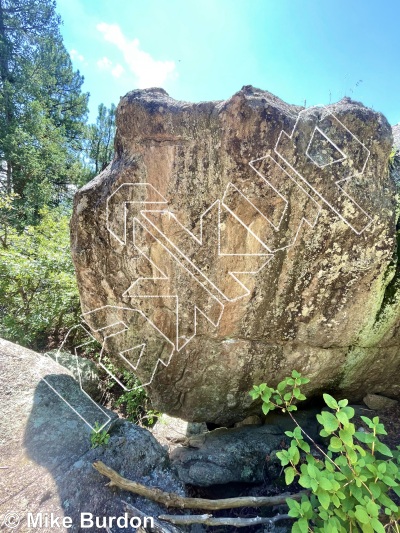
x=210 y=520
x=158 y=526
x=169 y=499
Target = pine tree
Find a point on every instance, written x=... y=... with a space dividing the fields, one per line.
x=100 y=149
x=42 y=108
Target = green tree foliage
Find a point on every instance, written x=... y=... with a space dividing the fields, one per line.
x=46 y=151
x=42 y=109
x=100 y=139
x=354 y=484
x=38 y=292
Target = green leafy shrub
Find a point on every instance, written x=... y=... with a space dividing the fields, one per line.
x=99 y=437
x=353 y=484
x=38 y=292
x=393 y=157
x=134 y=402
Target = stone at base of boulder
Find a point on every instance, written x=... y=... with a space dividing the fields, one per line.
x=171 y=432
x=252 y=420
x=378 y=402
x=227 y=455
x=305 y=418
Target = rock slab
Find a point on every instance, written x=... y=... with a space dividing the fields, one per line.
x=45 y=449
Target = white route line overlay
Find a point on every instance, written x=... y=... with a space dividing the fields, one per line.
x=329 y=113
x=131 y=310
x=103 y=413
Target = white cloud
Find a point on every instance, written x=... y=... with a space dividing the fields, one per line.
x=104 y=63
x=117 y=71
x=149 y=71
x=75 y=55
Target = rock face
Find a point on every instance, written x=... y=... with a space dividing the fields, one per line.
x=83 y=370
x=231 y=242
x=45 y=449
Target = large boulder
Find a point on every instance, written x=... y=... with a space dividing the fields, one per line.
x=45 y=449
x=231 y=242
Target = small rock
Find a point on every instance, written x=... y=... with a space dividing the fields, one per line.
x=378 y=402
x=252 y=420
x=170 y=431
x=306 y=418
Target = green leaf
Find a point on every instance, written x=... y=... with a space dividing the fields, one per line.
x=312 y=470
x=296 y=455
x=296 y=392
x=361 y=514
x=367 y=421
x=281 y=386
x=301 y=526
x=382 y=448
x=382 y=467
x=284 y=458
x=372 y=508
x=266 y=408
x=303 y=445
x=387 y=502
x=289 y=475
x=324 y=499
x=294 y=508
x=266 y=395
x=296 y=374
x=329 y=421
x=347 y=436
x=297 y=433
x=375 y=489
x=330 y=401
x=335 y=500
x=325 y=484
x=342 y=417
x=305 y=481
x=389 y=481
x=377 y=526
x=335 y=444
x=351 y=454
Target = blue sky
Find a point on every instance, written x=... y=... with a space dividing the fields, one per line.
x=301 y=50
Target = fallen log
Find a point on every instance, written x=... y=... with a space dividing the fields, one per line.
x=170 y=499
